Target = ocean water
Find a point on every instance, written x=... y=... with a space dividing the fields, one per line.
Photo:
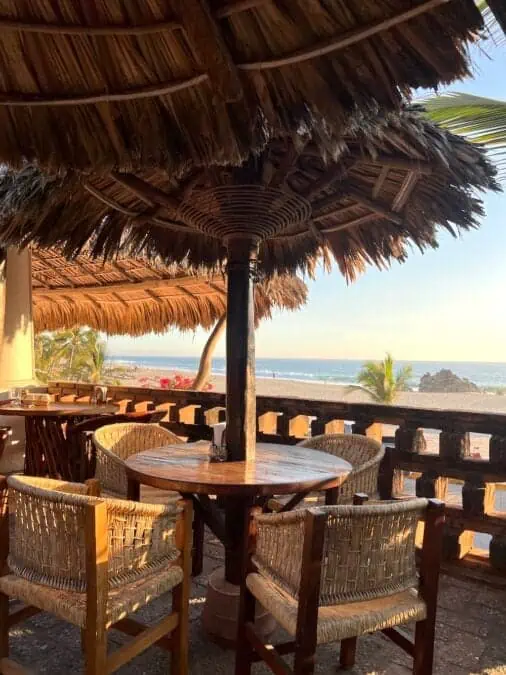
x=335 y=371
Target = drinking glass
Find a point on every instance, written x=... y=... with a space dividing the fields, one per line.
x=15 y=396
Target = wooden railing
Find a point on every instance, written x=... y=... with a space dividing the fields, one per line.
x=288 y=420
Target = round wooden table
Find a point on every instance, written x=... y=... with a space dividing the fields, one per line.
x=275 y=470
x=47 y=452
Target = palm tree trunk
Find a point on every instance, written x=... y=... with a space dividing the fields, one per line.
x=71 y=361
x=206 y=359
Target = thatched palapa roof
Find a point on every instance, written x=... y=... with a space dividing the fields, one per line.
x=135 y=296
x=128 y=85
x=397 y=180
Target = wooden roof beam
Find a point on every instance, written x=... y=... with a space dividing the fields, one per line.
x=405 y=191
x=130 y=213
x=330 y=176
x=361 y=220
x=122 y=286
x=343 y=40
x=336 y=212
x=12 y=25
x=144 y=191
x=236 y=6
x=400 y=163
x=375 y=205
x=379 y=183
x=22 y=99
x=209 y=47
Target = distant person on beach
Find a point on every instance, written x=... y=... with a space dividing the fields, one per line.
x=273 y=375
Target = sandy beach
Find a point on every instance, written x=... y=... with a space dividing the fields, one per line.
x=477 y=402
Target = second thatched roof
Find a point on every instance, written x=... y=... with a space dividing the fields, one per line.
x=133 y=296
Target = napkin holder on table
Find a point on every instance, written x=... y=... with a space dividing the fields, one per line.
x=37 y=400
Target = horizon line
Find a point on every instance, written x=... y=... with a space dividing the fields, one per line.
x=314 y=358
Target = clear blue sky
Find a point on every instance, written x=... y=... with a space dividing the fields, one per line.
x=448 y=304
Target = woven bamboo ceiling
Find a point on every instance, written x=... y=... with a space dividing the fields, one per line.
x=397 y=180
x=135 y=296
x=129 y=84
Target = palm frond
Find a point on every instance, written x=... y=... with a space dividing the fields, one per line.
x=491 y=24
x=380 y=380
x=481 y=120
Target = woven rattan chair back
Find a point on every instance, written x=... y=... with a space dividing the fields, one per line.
x=117 y=442
x=363 y=453
x=369 y=550
x=47 y=534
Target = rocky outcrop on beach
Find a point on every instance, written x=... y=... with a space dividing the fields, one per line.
x=445 y=381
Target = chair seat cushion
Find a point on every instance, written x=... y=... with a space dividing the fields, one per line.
x=338 y=622
x=71 y=605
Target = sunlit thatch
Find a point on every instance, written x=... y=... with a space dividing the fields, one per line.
x=135 y=296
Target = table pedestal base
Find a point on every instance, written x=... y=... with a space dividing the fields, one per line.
x=221 y=610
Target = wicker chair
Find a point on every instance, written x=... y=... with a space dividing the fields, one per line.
x=364 y=454
x=92 y=562
x=114 y=443
x=81 y=449
x=334 y=573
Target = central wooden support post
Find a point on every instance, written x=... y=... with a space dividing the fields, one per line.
x=222 y=602
x=241 y=397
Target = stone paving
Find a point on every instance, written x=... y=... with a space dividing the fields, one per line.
x=471 y=638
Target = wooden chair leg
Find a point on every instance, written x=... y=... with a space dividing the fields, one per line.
x=4 y=626
x=198 y=545
x=95 y=651
x=347 y=653
x=309 y=592
x=424 y=648
x=181 y=599
x=244 y=651
x=304 y=664
x=429 y=576
x=179 y=659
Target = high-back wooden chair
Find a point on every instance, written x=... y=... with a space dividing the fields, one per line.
x=81 y=448
x=114 y=443
x=93 y=562
x=334 y=573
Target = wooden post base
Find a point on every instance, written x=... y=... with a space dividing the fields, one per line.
x=221 y=611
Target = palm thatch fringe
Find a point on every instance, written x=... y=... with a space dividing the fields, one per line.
x=395 y=182
x=164 y=83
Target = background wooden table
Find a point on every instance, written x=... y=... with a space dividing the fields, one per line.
x=47 y=450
